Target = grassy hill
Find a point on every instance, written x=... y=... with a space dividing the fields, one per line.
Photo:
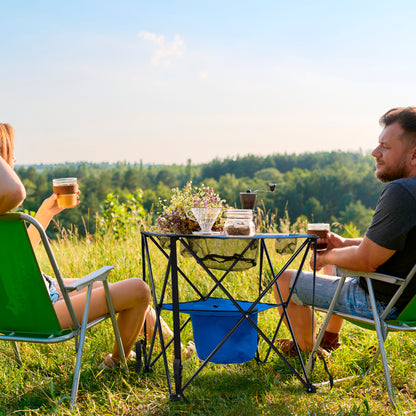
x=42 y=385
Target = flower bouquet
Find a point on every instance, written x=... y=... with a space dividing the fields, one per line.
x=174 y=218
x=215 y=253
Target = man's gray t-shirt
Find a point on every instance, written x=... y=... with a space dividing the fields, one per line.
x=394 y=227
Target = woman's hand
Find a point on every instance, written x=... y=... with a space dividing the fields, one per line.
x=48 y=209
x=50 y=206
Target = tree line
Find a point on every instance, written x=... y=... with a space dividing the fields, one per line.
x=321 y=186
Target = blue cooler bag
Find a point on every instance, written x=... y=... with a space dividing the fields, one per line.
x=212 y=319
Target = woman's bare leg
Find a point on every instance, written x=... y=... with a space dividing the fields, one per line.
x=151 y=325
x=130 y=299
x=166 y=332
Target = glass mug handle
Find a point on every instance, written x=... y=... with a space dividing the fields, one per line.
x=192 y=216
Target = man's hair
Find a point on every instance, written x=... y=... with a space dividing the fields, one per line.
x=406 y=118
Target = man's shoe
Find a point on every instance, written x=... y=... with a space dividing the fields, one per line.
x=330 y=341
x=287 y=347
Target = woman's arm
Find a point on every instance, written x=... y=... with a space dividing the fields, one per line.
x=46 y=212
x=12 y=191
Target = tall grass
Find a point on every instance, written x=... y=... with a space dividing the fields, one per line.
x=42 y=385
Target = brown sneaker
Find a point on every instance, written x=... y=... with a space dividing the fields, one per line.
x=330 y=341
x=287 y=347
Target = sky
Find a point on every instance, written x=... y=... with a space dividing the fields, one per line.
x=164 y=82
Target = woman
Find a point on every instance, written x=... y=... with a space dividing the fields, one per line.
x=130 y=297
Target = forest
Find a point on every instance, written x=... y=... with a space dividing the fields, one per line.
x=321 y=187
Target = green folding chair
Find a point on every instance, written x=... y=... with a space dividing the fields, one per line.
x=26 y=310
x=406 y=321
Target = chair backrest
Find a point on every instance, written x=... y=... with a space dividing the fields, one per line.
x=408 y=314
x=25 y=305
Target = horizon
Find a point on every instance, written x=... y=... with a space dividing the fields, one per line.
x=235 y=157
x=168 y=81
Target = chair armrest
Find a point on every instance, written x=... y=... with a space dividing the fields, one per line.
x=375 y=276
x=96 y=276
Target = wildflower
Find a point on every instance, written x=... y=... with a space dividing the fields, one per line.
x=174 y=219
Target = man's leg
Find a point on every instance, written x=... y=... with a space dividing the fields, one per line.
x=300 y=316
x=331 y=340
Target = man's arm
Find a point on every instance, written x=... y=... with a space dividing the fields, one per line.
x=367 y=256
x=336 y=241
x=12 y=191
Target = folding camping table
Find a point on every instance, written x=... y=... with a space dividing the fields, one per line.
x=166 y=296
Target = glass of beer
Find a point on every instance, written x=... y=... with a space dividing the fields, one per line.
x=321 y=230
x=66 y=189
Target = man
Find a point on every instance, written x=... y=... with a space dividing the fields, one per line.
x=388 y=246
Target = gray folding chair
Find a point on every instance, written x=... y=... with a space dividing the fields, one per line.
x=406 y=321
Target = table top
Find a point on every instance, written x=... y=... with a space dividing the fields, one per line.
x=256 y=236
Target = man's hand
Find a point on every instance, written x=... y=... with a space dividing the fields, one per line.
x=334 y=240
x=320 y=260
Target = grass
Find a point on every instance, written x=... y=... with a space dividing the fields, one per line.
x=42 y=385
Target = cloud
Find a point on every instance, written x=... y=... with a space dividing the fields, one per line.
x=202 y=75
x=166 y=50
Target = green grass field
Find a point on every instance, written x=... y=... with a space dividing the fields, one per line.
x=42 y=385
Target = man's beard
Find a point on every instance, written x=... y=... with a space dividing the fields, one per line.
x=397 y=172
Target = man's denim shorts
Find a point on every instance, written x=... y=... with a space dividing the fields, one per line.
x=352 y=300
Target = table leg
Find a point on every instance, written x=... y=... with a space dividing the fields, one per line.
x=324 y=325
x=177 y=363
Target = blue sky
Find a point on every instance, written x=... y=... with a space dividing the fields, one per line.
x=168 y=81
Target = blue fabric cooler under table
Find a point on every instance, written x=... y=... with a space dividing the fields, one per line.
x=212 y=319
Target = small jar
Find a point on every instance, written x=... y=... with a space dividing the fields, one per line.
x=239 y=222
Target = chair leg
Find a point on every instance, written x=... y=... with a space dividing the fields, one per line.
x=16 y=352
x=382 y=352
x=324 y=325
x=381 y=336
x=80 y=349
x=386 y=370
x=115 y=327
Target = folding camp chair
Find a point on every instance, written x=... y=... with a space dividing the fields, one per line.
x=406 y=321
x=26 y=310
